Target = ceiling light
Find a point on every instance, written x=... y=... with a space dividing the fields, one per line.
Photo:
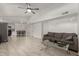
x=28 y=10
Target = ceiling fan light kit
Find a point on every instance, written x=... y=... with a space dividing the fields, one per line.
x=28 y=10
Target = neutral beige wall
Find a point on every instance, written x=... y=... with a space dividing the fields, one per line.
x=67 y=24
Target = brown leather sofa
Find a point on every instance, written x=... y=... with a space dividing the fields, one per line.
x=66 y=38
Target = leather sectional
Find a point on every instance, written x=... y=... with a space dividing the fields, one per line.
x=66 y=38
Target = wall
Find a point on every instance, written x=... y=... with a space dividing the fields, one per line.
x=1 y=19
x=67 y=24
x=20 y=26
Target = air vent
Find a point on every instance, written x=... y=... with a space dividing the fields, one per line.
x=64 y=13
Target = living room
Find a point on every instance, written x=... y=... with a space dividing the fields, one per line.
x=56 y=18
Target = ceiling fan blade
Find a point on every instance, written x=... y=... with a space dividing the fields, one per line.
x=33 y=12
x=34 y=8
x=21 y=8
x=28 y=8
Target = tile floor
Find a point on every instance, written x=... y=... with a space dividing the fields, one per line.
x=27 y=46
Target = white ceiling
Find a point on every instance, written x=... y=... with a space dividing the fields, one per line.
x=9 y=11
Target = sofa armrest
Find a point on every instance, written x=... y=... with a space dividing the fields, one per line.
x=45 y=35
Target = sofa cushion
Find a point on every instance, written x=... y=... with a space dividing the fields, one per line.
x=52 y=39
x=46 y=38
x=69 y=38
x=58 y=35
x=51 y=34
x=67 y=35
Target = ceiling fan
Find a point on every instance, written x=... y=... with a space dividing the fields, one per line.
x=28 y=8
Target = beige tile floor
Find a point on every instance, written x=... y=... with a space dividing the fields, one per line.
x=27 y=46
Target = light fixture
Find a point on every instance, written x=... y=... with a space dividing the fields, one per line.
x=28 y=10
